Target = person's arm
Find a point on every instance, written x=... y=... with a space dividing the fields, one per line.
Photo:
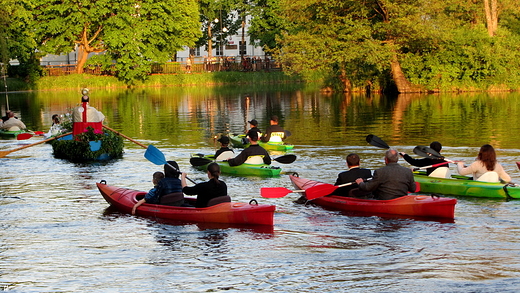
x=464 y=170
x=369 y=185
x=137 y=205
x=183 y=179
x=239 y=160
x=266 y=136
x=415 y=162
x=502 y=173
x=267 y=158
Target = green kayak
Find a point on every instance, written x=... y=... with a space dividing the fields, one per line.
x=11 y=134
x=236 y=141
x=464 y=186
x=201 y=162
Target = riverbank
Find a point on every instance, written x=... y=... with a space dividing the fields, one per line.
x=76 y=81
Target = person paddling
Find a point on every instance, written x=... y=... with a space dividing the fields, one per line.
x=354 y=171
x=486 y=163
x=436 y=146
x=391 y=181
x=254 y=150
x=274 y=133
x=206 y=191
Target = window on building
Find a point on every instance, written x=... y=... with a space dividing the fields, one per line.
x=242 y=49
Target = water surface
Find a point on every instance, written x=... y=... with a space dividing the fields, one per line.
x=59 y=235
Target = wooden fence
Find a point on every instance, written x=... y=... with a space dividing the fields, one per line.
x=197 y=66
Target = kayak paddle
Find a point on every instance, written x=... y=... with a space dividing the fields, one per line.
x=427 y=152
x=311 y=193
x=323 y=190
x=120 y=134
x=198 y=161
x=157 y=157
x=424 y=151
x=377 y=142
x=286 y=159
x=276 y=192
x=431 y=166
x=5 y=153
x=24 y=136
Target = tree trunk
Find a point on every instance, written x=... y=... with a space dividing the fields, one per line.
x=347 y=84
x=82 y=58
x=491 y=9
x=401 y=82
x=84 y=47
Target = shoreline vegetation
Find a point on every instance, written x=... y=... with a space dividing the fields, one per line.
x=76 y=81
x=210 y=79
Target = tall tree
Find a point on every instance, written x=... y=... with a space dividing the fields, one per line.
x=17 y=37
x=219 y=19
x=132 y=34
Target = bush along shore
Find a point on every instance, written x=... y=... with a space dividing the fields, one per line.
x=75 y=81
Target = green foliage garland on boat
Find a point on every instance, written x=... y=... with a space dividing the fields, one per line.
x=79 y=149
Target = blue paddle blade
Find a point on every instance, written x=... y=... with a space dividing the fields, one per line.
x=154 y=155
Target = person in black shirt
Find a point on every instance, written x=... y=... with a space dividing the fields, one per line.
x=354 y=172
x=254 y=126
x=206 y=191
x=224 y=146
x=253 y=150
x=274 y=133
x=436 y=146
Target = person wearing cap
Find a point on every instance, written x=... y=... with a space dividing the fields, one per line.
x=274 y=133
x=254 y=150
x=436 y=146
x=224 y=146
x=254 y=126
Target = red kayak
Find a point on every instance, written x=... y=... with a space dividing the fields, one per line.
x=124 y=199
x=410 y=205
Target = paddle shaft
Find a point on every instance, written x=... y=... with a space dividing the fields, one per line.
x=120 y=134
x=5 y=153
x=276 y=192
x=431 y=166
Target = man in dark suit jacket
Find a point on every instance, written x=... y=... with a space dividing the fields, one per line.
x=354 y=172
x=391 y=181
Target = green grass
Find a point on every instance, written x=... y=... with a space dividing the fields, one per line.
x=76 y=81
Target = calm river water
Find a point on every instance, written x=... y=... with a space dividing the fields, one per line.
x=59 y=235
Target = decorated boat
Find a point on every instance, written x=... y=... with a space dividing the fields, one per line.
x=90 y=145
x=251 y=213
x=238 y=142
x=465 y=186
x=89 y=141
x=201 y=162
x=424 y=206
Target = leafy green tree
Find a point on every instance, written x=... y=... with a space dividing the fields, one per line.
x=218 y=19
x=266 y=24
x=17 y=39
x=132 y=35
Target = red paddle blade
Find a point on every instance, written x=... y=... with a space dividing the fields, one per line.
x=319 y=191
x=23 y=136
x=39 y=133
x=274 y=192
